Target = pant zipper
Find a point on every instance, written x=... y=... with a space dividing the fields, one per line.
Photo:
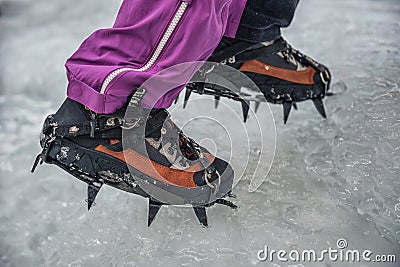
x=160 y=46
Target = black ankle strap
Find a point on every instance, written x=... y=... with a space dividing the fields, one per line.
x=102 y=124
x=259 y=51
x=133 y=117
x=229 y=47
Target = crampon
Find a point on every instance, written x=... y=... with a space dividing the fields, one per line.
x=282 y=74
x=157 y=161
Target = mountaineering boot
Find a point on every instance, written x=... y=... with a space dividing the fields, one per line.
x=137 y=150
x=283 y=74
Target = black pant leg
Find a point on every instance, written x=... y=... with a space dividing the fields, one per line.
x=262 y=20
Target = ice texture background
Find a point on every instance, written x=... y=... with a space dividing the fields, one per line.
x=331 y=179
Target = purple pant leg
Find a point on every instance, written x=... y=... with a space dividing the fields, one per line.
x=133 y=40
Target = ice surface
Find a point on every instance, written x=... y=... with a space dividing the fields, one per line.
x=331 y=179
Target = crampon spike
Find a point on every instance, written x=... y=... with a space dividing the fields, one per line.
x=295 y=105
x=217 y=99
x=319 y=105
x=176 y=100
x=154 y=208
x=201 y=215
x=330 y=94
x=287 y=107
x=226 y=203
x=187 y=96
x=257 y=106
x=92 y=192
x=245 y=109
x=38 y=161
